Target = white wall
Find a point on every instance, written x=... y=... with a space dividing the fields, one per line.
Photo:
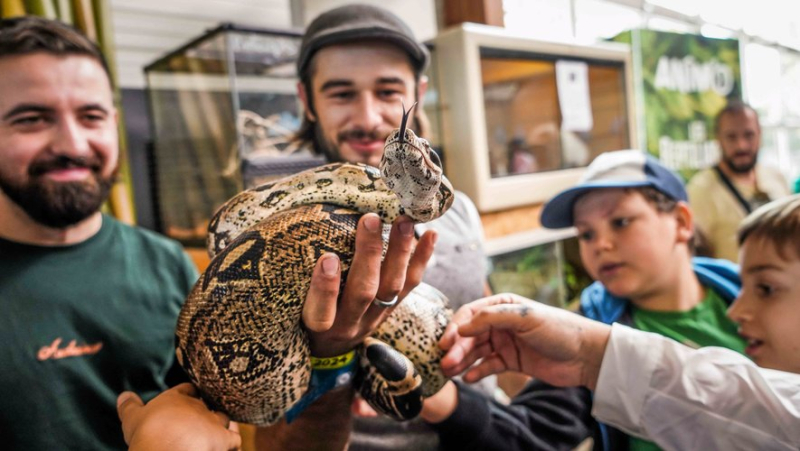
x=145 y=30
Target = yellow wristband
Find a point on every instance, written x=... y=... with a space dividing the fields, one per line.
x=332 y=363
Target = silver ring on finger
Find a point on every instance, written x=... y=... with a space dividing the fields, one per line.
x=385 y=304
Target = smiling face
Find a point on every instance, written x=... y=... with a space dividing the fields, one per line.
x=739 y=136
x=768 y=307
x=357 y=93
x=627 y=244
x=58 y=137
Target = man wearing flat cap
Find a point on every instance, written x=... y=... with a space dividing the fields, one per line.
x=357 y=65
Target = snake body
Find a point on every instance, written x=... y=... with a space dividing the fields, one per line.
x=239 y=333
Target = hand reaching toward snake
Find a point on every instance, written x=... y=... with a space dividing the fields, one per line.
x=240 y=337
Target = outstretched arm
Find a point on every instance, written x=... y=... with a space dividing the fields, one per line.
x=542 y=416
x=684 y=398
x=177 y=419
x=337 y=328
x=646 y=384
x=511 y=333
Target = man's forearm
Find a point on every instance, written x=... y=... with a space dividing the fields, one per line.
x=324 y=425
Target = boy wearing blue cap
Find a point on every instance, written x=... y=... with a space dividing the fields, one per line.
x=635 y=231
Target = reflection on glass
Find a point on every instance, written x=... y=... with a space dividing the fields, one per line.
x=794 y=159
x=550 y=273
x=224 y=110
x=523 y=117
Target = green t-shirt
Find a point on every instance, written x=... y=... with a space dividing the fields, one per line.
x=704 y=325
x=78 y=325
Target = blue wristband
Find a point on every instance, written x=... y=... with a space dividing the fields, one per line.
x=326 y=374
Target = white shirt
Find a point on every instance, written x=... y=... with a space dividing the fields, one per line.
x=687 y=399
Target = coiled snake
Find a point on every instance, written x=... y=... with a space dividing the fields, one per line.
x=239 y=334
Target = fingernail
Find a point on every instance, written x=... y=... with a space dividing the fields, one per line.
x=406 y=228
x=372 y=223
x=124 y=396
x=330 y=265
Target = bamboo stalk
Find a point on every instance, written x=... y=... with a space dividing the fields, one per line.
x=42 y=8
x=64 y=8
x=12 y=8
x=84 y=18
x=121 y=199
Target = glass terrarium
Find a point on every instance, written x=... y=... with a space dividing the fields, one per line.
x=541 y=265
x=523 y=118
x=224 y=109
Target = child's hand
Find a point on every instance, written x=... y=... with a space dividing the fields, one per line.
x=177 y=419
x=506 y=332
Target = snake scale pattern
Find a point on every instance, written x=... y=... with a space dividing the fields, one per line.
x=239 y=334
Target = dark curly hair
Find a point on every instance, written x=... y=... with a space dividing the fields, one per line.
x=30 y=34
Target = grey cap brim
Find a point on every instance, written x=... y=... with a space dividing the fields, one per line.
x=558 y=212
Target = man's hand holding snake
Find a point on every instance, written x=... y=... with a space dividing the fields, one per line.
x=262 y=334
x=336 y=328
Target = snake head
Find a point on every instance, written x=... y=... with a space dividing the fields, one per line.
x=411 y=169
x=403 y=141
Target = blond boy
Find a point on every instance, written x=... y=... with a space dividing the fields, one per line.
x=768 y=308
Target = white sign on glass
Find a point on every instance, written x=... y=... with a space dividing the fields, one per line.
x=572 y=80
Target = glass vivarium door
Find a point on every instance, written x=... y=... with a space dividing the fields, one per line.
x=528 y=130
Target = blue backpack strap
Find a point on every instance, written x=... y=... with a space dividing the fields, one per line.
x=720 y=275
x=600 y=305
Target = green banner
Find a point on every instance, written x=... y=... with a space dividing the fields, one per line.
x=685 y=81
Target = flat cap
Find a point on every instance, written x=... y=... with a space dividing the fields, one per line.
x=360 y=22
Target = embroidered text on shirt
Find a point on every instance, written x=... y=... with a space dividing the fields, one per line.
x=72 y=350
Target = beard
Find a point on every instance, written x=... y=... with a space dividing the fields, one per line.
x=326 y=147
x=331 y=149
x=60 y=204
x=740 y=168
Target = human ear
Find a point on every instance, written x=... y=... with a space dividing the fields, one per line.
x=303 y=95
x=684 y=220
x=422 y=87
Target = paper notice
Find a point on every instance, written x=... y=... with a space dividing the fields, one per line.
x=572 y=80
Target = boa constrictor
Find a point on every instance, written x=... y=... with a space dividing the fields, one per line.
x=239 y=334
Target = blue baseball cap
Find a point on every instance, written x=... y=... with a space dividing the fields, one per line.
x=617 y=169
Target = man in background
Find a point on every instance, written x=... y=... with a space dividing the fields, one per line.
x=723 y=195
x=358 y=65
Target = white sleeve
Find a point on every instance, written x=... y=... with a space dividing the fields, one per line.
x=683 y=399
